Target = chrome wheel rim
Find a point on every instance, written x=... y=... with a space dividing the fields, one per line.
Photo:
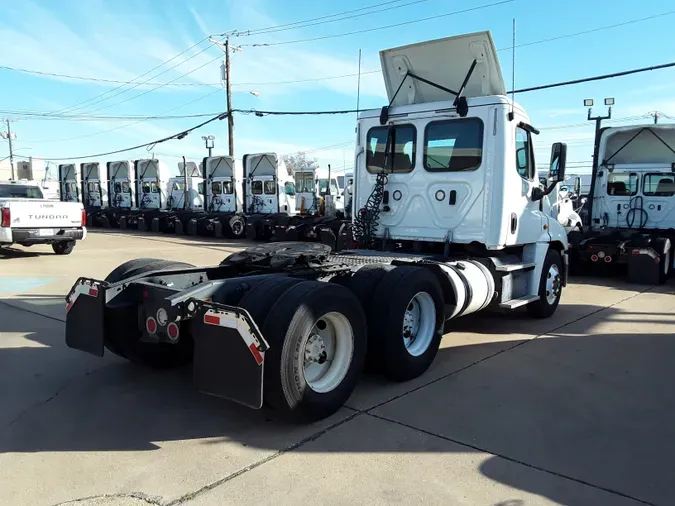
x=326 y=352
x=553 y=284
x=419 y=324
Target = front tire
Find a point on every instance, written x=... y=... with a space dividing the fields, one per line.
x=550 y=287
x=63 y=247
x=317 y=337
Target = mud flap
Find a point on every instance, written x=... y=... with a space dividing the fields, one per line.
x=229 y=353
x=85 y=316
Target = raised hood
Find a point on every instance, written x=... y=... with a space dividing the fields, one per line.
x=192 y=169
x=68 y=171
x=91 y=171
x=445 y=62
x=119 y=170
x=262 y=164
x=219 y=166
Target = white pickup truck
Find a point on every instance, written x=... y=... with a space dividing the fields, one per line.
x=27 y=218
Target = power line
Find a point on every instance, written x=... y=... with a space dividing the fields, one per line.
x=258 y=30
x=592 y=30
x=366 y=30
x=128 y=124
x=153 y=88
x=352 y=111
x=596 y=78
x=80 y=104
x=93 y=79
x=159 y=86
x=178 y=136
x=282 y=29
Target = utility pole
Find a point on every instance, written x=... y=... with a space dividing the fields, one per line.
x=228 y=90
x=8 y=135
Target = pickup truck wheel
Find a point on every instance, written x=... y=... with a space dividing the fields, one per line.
x=550 y=287
x=63 y=247
x=317 y=337
x=363 y=284
x=124 y=334
x=408 y=309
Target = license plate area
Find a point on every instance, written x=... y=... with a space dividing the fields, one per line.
x=45 y=232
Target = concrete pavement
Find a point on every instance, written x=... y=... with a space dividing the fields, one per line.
x=576 y=409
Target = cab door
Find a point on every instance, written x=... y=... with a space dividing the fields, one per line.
x=524 y=219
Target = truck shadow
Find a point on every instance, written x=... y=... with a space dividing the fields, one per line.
x=10 y=252
x=595 y=407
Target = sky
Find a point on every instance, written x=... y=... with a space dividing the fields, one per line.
x=120 y=40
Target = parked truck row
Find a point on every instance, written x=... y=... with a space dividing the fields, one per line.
x=222 y=196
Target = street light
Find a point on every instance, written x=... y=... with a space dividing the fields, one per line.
x=209 y=142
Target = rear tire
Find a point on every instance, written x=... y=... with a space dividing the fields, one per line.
x=363 y=284
x=63 y=247
x=550 y=287
x=123 y=334
x=313 y=320
x=408 y=312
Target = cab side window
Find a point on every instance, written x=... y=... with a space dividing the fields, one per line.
x=524 y=155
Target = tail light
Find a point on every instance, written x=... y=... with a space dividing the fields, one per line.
x=84 y=218
x=6 y=217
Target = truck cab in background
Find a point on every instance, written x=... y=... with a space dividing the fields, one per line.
x=223 y=196
x=269 y=193
x=631 y=209
x=69 y=182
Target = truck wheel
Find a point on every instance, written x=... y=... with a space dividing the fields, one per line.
x=237 y=227
x=259 y=300
x=123 y=332
x=363 y=284
x=550 y=287
x=408 y=310
x=63 y=247
x=317 y=337
x=663 y=247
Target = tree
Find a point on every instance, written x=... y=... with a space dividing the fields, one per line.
x=299 y=161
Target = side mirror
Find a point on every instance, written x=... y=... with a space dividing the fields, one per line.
x=558 y=161
x=537 y=194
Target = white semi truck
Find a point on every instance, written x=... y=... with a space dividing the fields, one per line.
x=630 y=215
x=223 y=199
x=447 y=222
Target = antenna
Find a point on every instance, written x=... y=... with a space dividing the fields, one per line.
x=513 y=71
x=358 y=88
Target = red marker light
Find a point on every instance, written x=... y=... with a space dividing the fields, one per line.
x=151 y=325
x=172 y=331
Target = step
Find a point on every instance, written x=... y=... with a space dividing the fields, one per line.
x=515 y=267
x=516 y=303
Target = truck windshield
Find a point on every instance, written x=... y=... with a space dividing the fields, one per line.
x=13 y=191
x=304 y=183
